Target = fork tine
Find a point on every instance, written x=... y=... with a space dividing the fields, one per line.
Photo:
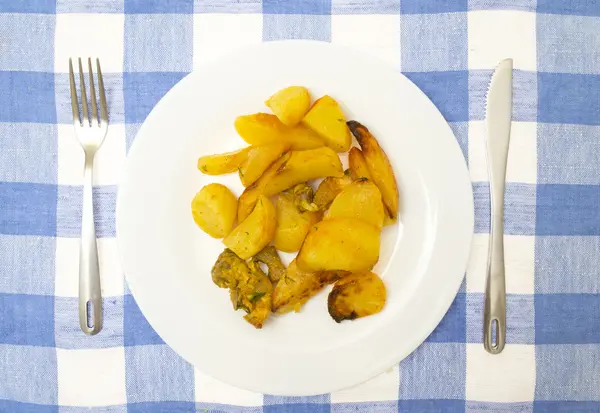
x=83 y=95
x=74 y=102
x=103 y=109
x=93 y=94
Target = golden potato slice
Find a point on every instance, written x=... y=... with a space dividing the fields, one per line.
x=340 y=244
x=292 y=225
x=379 y=167
x=258 y=159
x=290 y=104
x=327 y=119
x=264 y=128
x=355 y=296
x=224 y=163
x=255 y=232
x=357 y=164
x=214 y=209
x=329 y=188
x=361 y=200
x=291 y=169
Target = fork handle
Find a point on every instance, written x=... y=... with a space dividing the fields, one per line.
x=90 y=296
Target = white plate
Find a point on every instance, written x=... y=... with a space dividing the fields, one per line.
x=167 y=259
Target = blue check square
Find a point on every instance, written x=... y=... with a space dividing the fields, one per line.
x=523 y=5
x=158 y=43
x=542 y=406
x=567 y=264
x=432 y=6
x=27 y=209
x=176 y=376
x=449 y=91
x=227 y=6
x=434 y=371
x=569 y=373
x=68 y=214
x=568 y=154
x=19 y=273
x=19 y=32
x=20 y=407
x=569 y=98
x=297 y=7
x=575 y=7
x=296 y=26
x=452 y=328
x=159 y=6
x=495 y=407
x=142 y=91
x=137 y=330
x=28 y=152
x=27 y=320
x=567 y=319
x=303 y=404
x=567 y=44
x=31 y=97
x=97 y=6
x=34 y=6
x=433 y=42
x=431 y=406
x=28 y=374
x=346 y=7
x=379 y=406
x=166 y=406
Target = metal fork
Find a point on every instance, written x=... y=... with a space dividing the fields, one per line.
x=91 y=133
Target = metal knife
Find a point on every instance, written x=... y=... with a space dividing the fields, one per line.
x=497 y=121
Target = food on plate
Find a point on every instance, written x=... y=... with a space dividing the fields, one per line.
x=347 y=244
x=355 y=296
x=224 y=163
x=270 y=258
x=303 y=198
x=296 y=286
x=255 y=232
x=290 y=104
x=292 y=224
x=361 y=200
x=291 y=169
x=249 y=287
x=357 y=164
x=329 y=188
x=327 y=119
x=263 y=128
x=214 y=209
x=258 y=159
x=379 y=167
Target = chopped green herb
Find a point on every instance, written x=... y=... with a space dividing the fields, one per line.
x=203 y=168
x=240 y=171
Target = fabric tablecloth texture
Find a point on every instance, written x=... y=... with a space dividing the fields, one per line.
x=449 y=49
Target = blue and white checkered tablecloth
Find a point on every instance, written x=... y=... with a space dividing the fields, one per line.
x=448 y=48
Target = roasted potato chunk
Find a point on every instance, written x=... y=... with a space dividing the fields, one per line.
x=290 y=104
x=347 y=244
x=327 y=119
x=355 y=296
x=379 y=167
x=328 y=189
x=361 y=200
x=291 y=169
x=224 y=163
x=258 y=159
x=255 y=232
x=263 y=128
x=357 y=164
x=214 y=209
x=270 y=258
x=292 y=224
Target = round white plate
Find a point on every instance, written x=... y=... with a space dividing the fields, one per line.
x=167 y=258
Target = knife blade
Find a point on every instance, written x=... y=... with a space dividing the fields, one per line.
x=497 y=121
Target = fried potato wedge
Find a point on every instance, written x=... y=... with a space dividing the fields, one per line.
x=329 y=188
x=291 y=169
x=379 y=167
x=361 y=200
x=357 y=164
x=264 y=128
x=355 y=296
x=224 y=163
x=290 y=104
x=296 y=286
x=292 y=224
x=327 y=119
x=255 y=232
x=214 y=209
x=258 y=159
x=270 y=258
x=346 y=244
